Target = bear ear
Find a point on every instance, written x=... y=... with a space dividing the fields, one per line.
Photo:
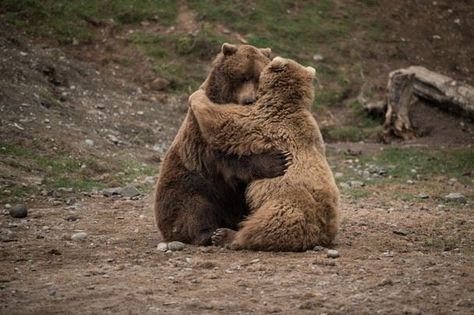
x=311 y=71
x=228 y=49
x=266 y=51
x=277 y=64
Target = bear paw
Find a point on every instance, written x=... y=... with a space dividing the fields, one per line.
x=223 y=237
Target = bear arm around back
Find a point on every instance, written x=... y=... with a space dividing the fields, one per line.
x=229 y=128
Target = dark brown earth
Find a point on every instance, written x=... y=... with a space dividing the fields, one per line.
x=396 y=256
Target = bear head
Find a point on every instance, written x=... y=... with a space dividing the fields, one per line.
x=287 y=80
x=235 y=74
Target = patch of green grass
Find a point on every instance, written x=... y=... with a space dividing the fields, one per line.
x=60 y=170
x=350 y=133
x=357 y=193
x=181 y=58
x=286 y=26
x=441 y=243
x=407 y=162
x=66 y=20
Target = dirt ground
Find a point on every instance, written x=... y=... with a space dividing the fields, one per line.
x=396 y=256
x=384 y=267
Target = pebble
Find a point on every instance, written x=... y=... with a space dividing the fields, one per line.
x=129 y=192
x=89 y=142
x=175 y=246
x=344 y=185
x=79 y=236
x=422 y=196
x=338 y=175
x=72 y=218
x=19 y=211
x=318 y=248
x=8 y=206
x=410 y=182
x=356 y=183
x=332 y=253
x=318 y=57
x=456 y=197
x=401 y=232
x=108 y=192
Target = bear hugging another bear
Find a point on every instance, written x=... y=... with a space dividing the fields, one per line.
x=200 y=189
x=300 y=209
x=281 y=211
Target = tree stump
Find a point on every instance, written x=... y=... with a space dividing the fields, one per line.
x=406 y=86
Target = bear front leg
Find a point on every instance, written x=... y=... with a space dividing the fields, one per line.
x=245 y=169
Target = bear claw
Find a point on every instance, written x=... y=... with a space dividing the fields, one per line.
x=222 y=237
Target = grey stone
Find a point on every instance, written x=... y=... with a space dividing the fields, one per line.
x=72 y=218
x=456 y=197
x=79 y=236
x=318 y=57
x=89 y=142
x=318 y=248
x=175 y=246
x=332 y=253
x=402 y=232
x=422 y=196
x=163 y=247
x=19 y=211
x=356 y=183
x=109 y=192
x=129 y=192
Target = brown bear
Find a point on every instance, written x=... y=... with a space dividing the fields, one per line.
x=200 y=189
x=299 y=210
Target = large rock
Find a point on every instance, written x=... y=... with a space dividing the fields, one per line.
x=19 y=211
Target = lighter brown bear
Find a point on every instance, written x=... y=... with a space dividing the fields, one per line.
x=299 y=210
x=200 y=189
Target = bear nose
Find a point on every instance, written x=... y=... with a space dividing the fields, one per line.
x=248 y=100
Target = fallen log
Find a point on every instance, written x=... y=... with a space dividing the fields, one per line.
x=406 y=86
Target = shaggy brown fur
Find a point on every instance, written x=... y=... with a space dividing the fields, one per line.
x=299 y=210
x=200 y=189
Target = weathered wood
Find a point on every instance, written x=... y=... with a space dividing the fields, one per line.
x=406 y=86
x=399 y=100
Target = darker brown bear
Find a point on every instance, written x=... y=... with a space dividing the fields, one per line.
x=200 y=189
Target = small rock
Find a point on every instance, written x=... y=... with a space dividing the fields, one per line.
x=129 y=192
x=338 y=175
x=318 y=248
x=72 y=218
x=89 y=142
x=356 y=183
x=79 y=236
x=344 y=185
x=19 y=211
x=385 y=282
x=410 y=182
x=401 y=232
x=159 y=84
x=109 y=192
x=436 y=37
x=114 y=139
x=175 y=246
x=163 y=247
x=8 y=206
x=332 y=253
x=455 y=197
x=318 y=57
x=422 y=196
